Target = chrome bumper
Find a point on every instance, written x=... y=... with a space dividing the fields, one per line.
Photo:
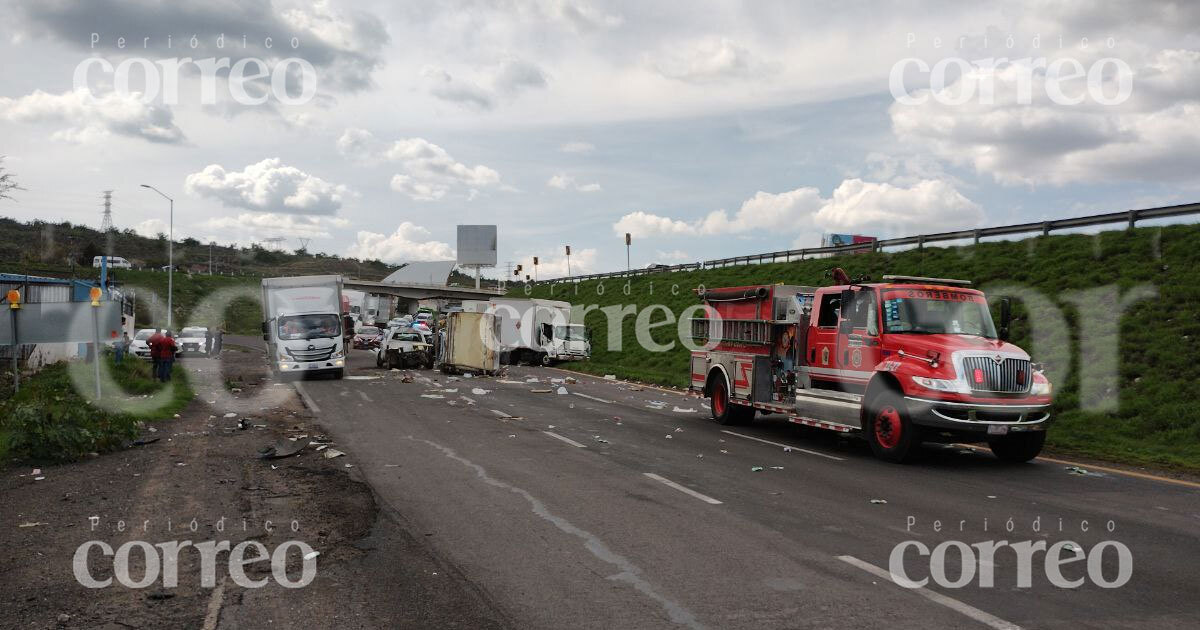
x=961 y=416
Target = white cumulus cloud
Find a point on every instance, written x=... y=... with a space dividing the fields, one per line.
x=428 y=172
x=89 y=118
x=562 y=181
x=409 y=243
x=268 y=186
x=876 y=208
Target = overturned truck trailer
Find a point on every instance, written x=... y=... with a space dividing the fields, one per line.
x=472 y=343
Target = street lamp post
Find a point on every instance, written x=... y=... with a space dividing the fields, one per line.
x=170 y=253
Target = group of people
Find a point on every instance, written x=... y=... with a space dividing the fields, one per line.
x=162 y=352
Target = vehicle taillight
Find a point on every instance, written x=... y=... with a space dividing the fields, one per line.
x=978 y=376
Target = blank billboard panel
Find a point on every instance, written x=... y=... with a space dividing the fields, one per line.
x=477 y=245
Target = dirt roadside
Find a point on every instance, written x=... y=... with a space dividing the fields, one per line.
x=203 y=481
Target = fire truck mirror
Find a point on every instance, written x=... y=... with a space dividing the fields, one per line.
x=845 y=327
x=1005 y=318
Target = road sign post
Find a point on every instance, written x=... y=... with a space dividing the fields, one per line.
x=14 y=303
x=95 y=295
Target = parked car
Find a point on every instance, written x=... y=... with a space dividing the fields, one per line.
x=137 y=346
x=367 y=338
x=193 y=340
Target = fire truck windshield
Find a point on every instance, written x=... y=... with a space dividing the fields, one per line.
x=936 y=316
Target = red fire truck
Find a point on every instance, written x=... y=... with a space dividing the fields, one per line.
x=902 y=361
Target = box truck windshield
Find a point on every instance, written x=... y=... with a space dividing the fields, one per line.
x=294 y=327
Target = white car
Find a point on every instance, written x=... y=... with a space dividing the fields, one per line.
x=412 y=346
x=137 y=346
x=192 y=340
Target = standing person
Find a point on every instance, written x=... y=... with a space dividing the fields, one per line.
x=121 y=347
x=167 y=355
x=153 y=343
x=216 y=349
x=208 y=341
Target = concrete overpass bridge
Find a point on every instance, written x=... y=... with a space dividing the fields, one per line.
x=408 y=294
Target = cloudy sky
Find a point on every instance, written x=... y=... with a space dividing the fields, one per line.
x=705 y=129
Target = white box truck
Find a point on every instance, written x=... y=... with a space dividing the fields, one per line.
x=302 y=324
x=535 y=331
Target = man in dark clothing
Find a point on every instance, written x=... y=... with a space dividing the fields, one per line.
x=152 y=343
x=166 y=358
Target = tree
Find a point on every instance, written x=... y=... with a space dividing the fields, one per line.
x=8 y=182
x=191 y=242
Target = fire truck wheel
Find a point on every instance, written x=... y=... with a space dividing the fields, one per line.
x=892 y=436
x=723 y=411
x=1018 y=447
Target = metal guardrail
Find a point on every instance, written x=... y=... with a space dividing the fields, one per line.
x=1129 y=217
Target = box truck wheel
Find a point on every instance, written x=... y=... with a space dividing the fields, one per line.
x=892 y=435
x=545 y=360
x=1018 y=447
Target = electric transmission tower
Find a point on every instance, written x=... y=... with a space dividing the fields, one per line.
x=274 y=241
x=304 y=242
x=106 y=223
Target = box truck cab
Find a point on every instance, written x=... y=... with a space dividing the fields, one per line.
x=535 y=331
x=302 y=325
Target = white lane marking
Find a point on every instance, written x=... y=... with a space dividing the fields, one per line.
x=794 y=448
x=628 y=572
x=684 y=489
x=593 y=398
x=565 y=439
x=214 y=607
x=365 y=396
x=987 y=619
x=308 y=401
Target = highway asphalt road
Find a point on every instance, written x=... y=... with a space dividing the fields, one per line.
x=617 y=506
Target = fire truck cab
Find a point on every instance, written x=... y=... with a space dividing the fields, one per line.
x=899 y=362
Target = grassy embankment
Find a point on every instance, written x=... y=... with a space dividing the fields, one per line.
x=53 y=419
x=1154 y=418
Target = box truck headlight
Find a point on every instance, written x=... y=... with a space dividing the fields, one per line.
x=339 y=354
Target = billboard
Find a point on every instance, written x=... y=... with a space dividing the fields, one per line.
x=477 y=245
x=842 y=240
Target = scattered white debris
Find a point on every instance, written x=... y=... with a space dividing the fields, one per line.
x=878 y=501
x=532 y=379
x=556 y=380
x=231 y=415
x=449 y=390
x=312 y=554
x=678 y=429
x=479 y=391
x=562 y=391
x=682 y=410
x=787 y=449
x=668 y=436
x=610 y=377
x=333 y=452
x=432 y=396
x=360 y=378
x=570 y=380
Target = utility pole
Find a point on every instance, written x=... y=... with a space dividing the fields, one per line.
x=568 y=262
x=535 y=262
x=170 y=254
x=210 y=246
x=628 y=242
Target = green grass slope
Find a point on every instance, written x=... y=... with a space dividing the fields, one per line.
x=1151 y=418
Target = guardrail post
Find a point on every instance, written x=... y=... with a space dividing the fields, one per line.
x=921 y=242
x=976 y=237
x=1132 y=218
x=1045 y=228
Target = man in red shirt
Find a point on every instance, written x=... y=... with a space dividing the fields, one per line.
x=152 y=343
x=166 y=356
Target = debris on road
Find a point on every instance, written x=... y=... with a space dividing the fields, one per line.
x=532 y=379
x=540 y=391
x=360 y=378
x=1076 y=470
x=285 y=448
x=332 y=453
x=406 y=378
x=571 y=380
x=610 y=377
x=600 y=439
x=312 y=554
x=756 y=469
x=777 y=468
x=231 y=415
x=562 y=391
x=479 y=391
x=144 y=441
x=682 y=410
x=436 y=396
x=787 y=449
x=878 y=501
x=668 y=436
x=31 y=524
x=679 y=429
x=656 y=404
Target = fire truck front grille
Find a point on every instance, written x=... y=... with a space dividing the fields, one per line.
x=1008 y=376
x=316 y=354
